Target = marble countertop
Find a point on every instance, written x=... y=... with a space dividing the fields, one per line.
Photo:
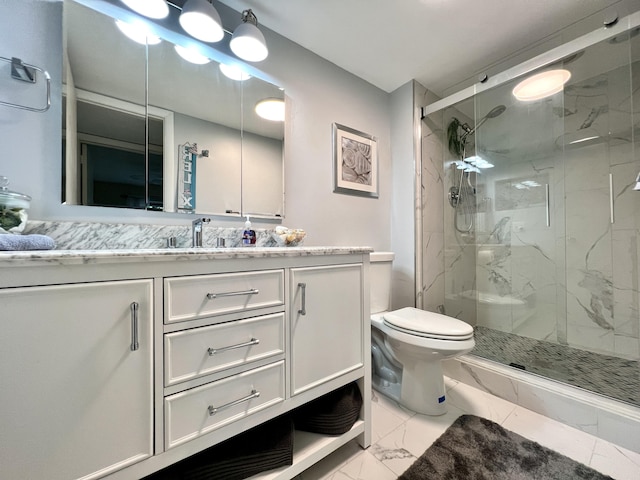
x=74 y=257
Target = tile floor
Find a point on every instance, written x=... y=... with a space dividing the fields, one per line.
x=400 y=436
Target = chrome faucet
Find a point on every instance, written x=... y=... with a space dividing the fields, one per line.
x=196 y=230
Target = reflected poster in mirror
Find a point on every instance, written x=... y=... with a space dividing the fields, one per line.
x=128 y=107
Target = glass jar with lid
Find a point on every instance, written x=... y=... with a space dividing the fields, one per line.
x=13 y=208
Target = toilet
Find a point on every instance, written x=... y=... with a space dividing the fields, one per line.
x=408 y=345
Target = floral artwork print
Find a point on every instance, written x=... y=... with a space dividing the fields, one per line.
x=356 y=161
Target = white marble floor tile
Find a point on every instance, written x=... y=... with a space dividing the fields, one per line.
x=552 y=434
x=617 y=462
x=384 y=421
x=405 y=444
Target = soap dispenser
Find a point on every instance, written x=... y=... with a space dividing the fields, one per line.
x=249 y=235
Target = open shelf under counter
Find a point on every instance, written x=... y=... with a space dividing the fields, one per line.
x=308 y=449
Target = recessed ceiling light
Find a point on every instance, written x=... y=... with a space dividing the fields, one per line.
x=271 y=109
x=541 y=85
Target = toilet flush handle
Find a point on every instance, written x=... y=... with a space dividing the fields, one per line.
x=303 y=306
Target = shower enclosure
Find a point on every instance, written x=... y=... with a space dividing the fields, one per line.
x=540 y=235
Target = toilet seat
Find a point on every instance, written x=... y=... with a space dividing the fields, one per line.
x=413 y=321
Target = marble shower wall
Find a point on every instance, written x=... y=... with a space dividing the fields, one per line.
x=448 y=256
x=432 y=197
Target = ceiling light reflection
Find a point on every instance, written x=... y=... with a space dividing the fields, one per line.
x=541 y=85
x=271 y=109
x=138 y=32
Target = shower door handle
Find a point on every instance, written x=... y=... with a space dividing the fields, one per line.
x=611 y=217
x=547 y=205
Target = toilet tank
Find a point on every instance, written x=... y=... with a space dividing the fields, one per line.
x=380 y=280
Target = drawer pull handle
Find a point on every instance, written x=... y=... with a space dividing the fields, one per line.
x=253 y=291
x=213 y=351
x=213 y=410
x=303 y=306
x=135 y=345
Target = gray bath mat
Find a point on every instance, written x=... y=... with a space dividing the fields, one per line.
x=479 y=449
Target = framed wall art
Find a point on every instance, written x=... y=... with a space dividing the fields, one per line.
x=355 y=162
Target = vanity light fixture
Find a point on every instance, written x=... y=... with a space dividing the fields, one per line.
x=247 y=41
x=201 y=20
x=190 y=55
x=138 y=32
x=234 y=72
x=271 y=109
x=149 y=8
x=541 y=85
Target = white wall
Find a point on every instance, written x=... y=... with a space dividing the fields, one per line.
x=318 y=94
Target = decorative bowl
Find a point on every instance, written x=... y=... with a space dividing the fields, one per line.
x=286 y=237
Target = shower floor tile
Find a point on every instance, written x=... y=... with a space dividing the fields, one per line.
x=606 y=375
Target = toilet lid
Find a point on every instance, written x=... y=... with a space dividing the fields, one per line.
x=428 y=324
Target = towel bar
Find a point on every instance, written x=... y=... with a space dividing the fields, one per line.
x=27 y=73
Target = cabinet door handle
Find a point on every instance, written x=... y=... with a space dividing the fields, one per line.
x=303 y=305
x=134 y=326
x=213 y=410
x=213 y=351
x=253 y=291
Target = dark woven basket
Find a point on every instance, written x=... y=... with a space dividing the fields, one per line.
x=262 y=448
x=332 y=414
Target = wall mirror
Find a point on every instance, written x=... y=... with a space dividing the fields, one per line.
x=144 y=128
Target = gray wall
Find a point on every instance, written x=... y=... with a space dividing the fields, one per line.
x=318 y=94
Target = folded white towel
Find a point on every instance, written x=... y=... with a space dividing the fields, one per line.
x=26 y=242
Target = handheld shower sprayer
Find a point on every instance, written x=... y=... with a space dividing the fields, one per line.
x=462 y=196
x=493 y=113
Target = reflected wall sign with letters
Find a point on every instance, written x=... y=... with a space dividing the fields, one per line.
x=187 y=178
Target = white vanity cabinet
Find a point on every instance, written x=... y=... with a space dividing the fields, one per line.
x=326 y=323
x=77 y=386
x=117 y=365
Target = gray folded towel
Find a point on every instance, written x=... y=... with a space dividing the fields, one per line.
x=26 y=242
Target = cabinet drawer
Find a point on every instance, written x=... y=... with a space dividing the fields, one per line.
x=201 y=351
x=188 y=298
x=201 y=410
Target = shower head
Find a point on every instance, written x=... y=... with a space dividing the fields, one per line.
x=493 y=113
